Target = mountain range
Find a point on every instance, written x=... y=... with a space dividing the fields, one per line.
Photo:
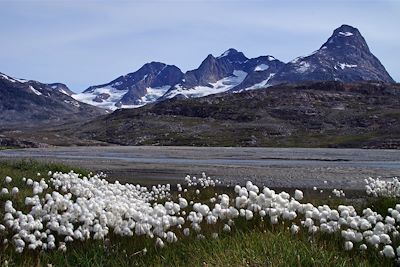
x=306 y=114
x=27 y=103
x=344 y=57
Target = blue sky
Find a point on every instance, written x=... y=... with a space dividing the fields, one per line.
x=83 y=43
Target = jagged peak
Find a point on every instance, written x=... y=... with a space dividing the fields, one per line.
x=228 y=52
x=12 y=79
x=346 y=30
x=233 y=55
x=346 y=36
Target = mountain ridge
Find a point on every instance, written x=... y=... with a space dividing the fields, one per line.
x=307 y=114
x=345 y=56
x=32 y=103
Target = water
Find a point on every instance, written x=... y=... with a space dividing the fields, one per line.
x=330 y=157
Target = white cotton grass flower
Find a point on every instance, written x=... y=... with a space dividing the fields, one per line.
x=338 y=193
x=294 y=229
x=382 y=188
x=388 y=251
x=186 y=232
x=69 y=207
x=200 y=236
x=248 y=215
x=4 y=191
x=348 y=245
x=363 y=247
x=8 y=179
x=159 y=242
x=226 y=228
x=14 y=190
x=298 y=195
x=171 y=237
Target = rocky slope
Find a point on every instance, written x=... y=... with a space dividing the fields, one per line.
x=135 y=89
x=157 y=81
x=324 y=114
x=26 y=103
x=232 y=71
x=344 y=57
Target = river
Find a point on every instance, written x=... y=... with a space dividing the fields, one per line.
x=278 y=167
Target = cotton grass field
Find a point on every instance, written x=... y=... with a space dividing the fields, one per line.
x=53 y=216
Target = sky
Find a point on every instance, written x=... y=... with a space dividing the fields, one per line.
x=87 y=42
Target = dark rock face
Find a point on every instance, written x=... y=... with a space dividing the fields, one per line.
x=24 y=103
x=210 y=70
x=344 y=57
x=61 y=88
x=153 y=75
x=260 y=70
x=214 y=69
x=99 y=98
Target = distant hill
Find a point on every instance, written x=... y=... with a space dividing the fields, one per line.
x=27 y=103
x=321 y=114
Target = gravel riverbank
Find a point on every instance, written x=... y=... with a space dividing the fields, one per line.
x=274 y=167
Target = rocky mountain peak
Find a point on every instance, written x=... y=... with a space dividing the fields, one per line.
x=233 y=55
x=346 y=37
x=344 y=57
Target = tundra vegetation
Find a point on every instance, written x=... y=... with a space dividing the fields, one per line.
x=50 y=214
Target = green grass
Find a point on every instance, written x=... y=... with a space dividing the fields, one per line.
x=251 y=243
x=30 y=168
x=6 y=147
x=241 y=248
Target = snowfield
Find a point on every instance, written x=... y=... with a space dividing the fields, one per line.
x=64 y=208
x=220 y=86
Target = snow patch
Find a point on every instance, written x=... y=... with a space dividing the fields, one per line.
x=62 y=91
x=261 y=67
x=303 y=67
x=72 y=102
x=152 y=95
x=118 y=83
x=297 y=59
x=259 y=85
x=347 y=34
x=34 y=90
x=345 y=65
x=55 y=87
x=226 y=53
x=109 y=103
x=7 y=78
x=115 y=96
x=13 y=80
x=220 y=86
